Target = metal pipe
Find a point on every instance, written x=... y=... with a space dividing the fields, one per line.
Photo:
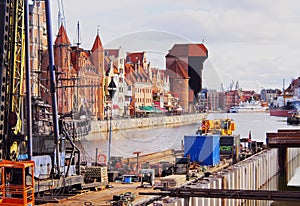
x=28 y=81
x=52 y=81
x=96 y=157
x=109 y=140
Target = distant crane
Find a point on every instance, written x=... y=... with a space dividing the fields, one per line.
x=222 y=87
x=231 y=85
x=61 y=14
x=237 y=87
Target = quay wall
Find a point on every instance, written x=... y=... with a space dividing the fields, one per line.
x=257 y=172
x=131 y=123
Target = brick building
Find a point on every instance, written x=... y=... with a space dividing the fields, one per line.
x=184 y=65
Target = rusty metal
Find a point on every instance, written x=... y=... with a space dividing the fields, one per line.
x=283 y=138
x=228 y=193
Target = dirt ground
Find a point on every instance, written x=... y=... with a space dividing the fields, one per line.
x=103 y=197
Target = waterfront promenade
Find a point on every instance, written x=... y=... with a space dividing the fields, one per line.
x=131 y=123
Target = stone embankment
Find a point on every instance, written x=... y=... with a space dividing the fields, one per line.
x=131 y=123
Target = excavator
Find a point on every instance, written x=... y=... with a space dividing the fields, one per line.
x=32 y=161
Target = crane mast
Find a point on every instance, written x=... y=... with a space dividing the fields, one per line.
x=12 y=74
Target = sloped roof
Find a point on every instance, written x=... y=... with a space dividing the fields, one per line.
x=62 y=37
x=135 y=57
x=176 y=69
x=184 y=50
x=97 y=44
x=112 y=52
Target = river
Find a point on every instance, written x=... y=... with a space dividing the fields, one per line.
x=147 y=140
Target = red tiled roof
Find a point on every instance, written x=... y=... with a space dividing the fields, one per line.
x=62 y=37
x=184 y=50
x=112 y=52
x=135 y=57
x=176 y=69
x=128 y=69
x=97 y=44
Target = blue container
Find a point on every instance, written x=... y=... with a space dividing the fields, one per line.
x=204 y=149
x=127 y=179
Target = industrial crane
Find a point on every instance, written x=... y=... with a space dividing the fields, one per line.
x=17 y=185
x=50 y=157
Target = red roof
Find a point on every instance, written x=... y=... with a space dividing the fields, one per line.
x=62 y=37
x=184 y=50
x=112 y=52
x=97 y=44
x=137 y=57
x=176 y=69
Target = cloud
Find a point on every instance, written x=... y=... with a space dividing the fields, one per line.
x=250 y=41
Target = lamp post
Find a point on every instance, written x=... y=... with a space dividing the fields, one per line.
x=112 y=90
x=137 y=161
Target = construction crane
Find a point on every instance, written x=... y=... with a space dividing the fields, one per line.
x=16 y=188
x=34 y=143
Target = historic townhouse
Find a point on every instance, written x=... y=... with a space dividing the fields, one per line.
x=79 y=77
x=115 y=58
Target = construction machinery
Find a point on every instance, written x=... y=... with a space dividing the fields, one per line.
x=218 y=126
x=229 y=142
x=35 y=145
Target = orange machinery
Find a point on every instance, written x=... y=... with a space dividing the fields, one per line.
x=17 y=183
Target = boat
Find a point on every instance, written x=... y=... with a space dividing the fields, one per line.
x=252 y=106
x=294 y=119
x=287 y=110
x=234 y=109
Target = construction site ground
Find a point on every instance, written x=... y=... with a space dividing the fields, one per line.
x=103 y=196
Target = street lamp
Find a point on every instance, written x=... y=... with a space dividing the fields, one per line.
x=112 y=90
x=137 y=160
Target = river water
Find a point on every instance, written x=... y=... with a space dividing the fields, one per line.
x=148 y=140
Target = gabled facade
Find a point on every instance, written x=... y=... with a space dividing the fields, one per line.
x=138 y=82
x=79 y=77
x=116 y=69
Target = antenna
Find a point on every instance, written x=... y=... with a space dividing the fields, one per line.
x=61 y=14
x=78 y=34
x=98 y=30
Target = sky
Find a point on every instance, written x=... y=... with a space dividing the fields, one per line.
x=253 y=42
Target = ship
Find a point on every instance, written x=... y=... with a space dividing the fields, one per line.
x=287 y=110
x=252 y=106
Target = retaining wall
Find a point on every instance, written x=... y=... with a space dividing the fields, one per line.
x=120 y=124
x=250 y=174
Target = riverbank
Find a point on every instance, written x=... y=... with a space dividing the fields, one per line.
x=131 y=123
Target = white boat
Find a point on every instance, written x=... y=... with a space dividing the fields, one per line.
x=252 y=106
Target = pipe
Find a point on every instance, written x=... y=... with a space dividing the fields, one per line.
x=52 y=81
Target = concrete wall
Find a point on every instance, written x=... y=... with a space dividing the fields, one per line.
x=120 y=124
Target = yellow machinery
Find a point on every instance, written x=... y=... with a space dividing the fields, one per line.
x=218 y=126
x=229 y=143
x=17 y=182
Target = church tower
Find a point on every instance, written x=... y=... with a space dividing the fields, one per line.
x=97 y=58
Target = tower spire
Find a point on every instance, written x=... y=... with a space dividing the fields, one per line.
x=78 y=35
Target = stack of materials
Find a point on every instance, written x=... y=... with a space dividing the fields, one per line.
x=173 y=180
x=96 y=173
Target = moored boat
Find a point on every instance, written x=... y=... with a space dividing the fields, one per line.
x=285 y=111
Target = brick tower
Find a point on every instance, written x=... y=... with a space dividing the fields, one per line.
x=184 y=65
